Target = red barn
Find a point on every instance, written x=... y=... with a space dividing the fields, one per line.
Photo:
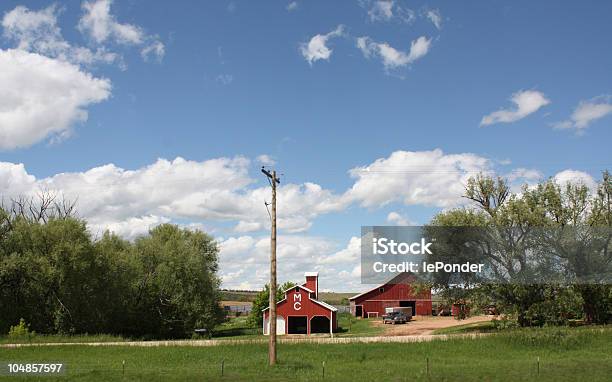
x=301 y=313
x=397 y=292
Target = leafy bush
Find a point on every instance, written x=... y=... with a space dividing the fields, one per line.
x=21 y=331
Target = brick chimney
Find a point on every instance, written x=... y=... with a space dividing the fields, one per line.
x=312 y=282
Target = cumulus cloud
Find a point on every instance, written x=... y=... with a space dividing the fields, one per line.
x=587 y=112
x=524 y=174
x=46 y=87
x=430 y=178
x=43 y=98
x=391 y=57
x=132 y=227
x=576 y=177
x=316 y=49
x=101 y=26
x=527 y=102
x=387 y=10
x=37 y=31
x=217 y=190
x=396 y=218
x=244 y=261
x=266 y=160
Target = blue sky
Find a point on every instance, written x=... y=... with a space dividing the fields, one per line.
x=237 y=80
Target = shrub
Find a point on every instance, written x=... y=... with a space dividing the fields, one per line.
x=21 y=331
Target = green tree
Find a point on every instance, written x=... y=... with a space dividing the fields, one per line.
x=574 y=218
x=262 y=301
x=177 y=288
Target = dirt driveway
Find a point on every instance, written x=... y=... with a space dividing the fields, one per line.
x=421 y=325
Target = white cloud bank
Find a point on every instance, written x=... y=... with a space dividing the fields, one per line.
x=219 y=192
x=316 y=49
x=587 y=112
x=391 y=57
x=43 y=98
x=527 y=102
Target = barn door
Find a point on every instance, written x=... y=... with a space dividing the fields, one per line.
x=280 y=325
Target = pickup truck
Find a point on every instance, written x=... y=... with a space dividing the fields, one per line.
x=395 y=318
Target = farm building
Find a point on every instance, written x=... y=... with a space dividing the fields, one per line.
x=300 y=312
x=397 y=292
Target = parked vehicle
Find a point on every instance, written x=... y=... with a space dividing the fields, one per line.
x=395 y=318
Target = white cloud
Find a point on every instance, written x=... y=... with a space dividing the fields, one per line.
x=292 y=6
x=217 y=190
x=317 y=49
x=586 y=112
x=225 y=79
x=295 y=255
x=132 y=227
x=349 y=255
x=338 y=269
x=387 y=10
x=524 y=174
x=527 y=102
x=101 y=26
x=435 y=17
x=576 y=177
x=43 y=98
x=243 y=226
x=415 y=178
x=155 y=50
x=391 y=57
x=266 y=160
x=37 y=31
x=396 y=218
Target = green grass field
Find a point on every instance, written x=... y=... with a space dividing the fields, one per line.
x=577 y=354
x=476 y=327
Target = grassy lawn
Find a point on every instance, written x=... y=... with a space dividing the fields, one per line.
x=41 y=338
x=350 y=326
x=565 y=355
x=476 y=327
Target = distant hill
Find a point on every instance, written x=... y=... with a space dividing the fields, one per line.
x=333 y=298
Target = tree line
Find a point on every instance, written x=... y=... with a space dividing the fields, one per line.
x=59 y=279
x=530 y=234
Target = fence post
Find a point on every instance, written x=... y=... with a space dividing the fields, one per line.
x=222 y=367
x=323 y=369
x=538 y=365
x=427 y=365
x=123 y=367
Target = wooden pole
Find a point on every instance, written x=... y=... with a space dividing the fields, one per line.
x=272 y=345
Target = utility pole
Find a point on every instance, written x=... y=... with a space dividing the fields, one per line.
x=272 y=332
